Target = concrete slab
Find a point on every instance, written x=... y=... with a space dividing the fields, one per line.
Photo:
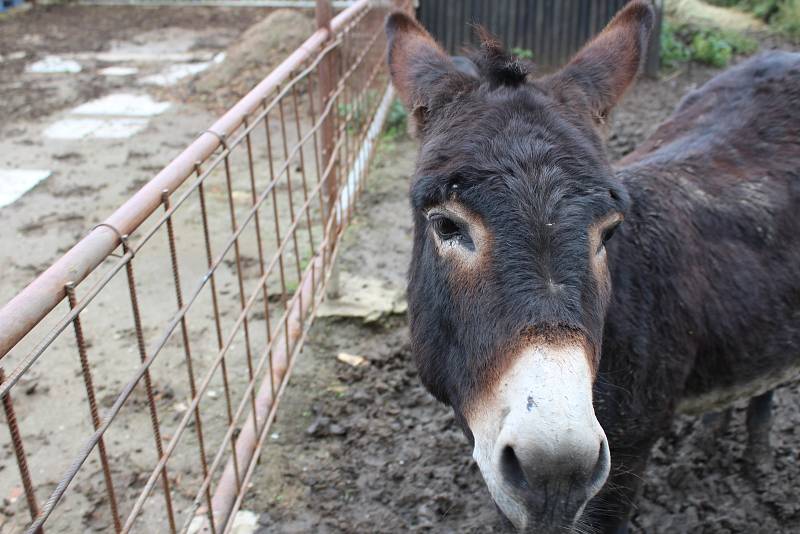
x=145 y=57
x=72 y=128
x=174 y=73
x=13 y=56
x=124 y=104
x=119 y=71
x=95 y=128
x=16 y=182
x=54 y=65
x=364 y=298
x=119 y=128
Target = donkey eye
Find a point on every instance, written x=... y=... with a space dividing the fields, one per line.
x=608 y=233
x=446 y=229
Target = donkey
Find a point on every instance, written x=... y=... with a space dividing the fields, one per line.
x=564 y=353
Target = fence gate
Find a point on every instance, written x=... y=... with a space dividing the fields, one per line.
x=552 y=29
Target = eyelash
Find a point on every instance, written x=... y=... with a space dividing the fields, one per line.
x=450 y=231
x=445 y=228
x=608 y=233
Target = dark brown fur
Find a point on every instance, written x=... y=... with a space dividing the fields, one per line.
x=705 y=270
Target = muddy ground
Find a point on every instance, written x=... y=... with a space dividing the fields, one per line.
x=354 y=449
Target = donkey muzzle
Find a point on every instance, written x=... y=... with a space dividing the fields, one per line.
x=538 y=444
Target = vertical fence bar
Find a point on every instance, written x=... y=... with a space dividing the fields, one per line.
x=653 y=62
x=148 y=385
x=88 y=382
x=187 y=351
x=327 y=71
x=19 y=452
x=218 y=328
x=259 y=239
x=239 y=274
x=327 y=68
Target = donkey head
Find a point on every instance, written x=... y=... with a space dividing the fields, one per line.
x=513 y=199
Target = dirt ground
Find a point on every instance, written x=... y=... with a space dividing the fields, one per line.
x=354 y=449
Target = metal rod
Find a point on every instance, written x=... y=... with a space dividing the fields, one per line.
x=187 y=351
x=148 y=387
x=19 y=452
x=88 y=382
x=327 y=68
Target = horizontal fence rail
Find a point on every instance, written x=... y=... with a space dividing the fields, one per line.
x=203 y=286
x=552 y=30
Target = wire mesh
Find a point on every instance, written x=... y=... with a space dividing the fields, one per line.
x=206 y=300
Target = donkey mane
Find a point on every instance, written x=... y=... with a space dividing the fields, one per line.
x=496 y=65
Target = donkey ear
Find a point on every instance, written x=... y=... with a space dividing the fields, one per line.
x=605 y=68
x=420 y=69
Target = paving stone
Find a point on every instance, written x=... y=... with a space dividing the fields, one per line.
x=119 y=71
x=174 y=73
x=54 y=65
x=97 y=128
x=124 y=104
x=16 y=182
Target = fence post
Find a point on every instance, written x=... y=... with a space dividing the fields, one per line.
x=653 y=62
x=327 y=70
x=324 y=13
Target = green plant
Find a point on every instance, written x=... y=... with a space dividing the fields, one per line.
x=522 y=53
x=711 y=46
x=787 y=20
x=396 y=121
x=717 y=47
x=673 y=50
x=711 y=50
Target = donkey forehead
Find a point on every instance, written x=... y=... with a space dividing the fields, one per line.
x=534 y=192
x=511 y=141
x=525 y=113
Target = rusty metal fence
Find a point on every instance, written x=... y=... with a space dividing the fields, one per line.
x=203 y=286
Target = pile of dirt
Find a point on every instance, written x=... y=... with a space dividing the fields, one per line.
x=704 y=15
x=257 y=52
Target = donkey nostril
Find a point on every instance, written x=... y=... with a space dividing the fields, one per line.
x=512 y=469
x=601 y=468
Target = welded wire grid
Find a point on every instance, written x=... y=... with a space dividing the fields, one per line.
x=162 y=369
